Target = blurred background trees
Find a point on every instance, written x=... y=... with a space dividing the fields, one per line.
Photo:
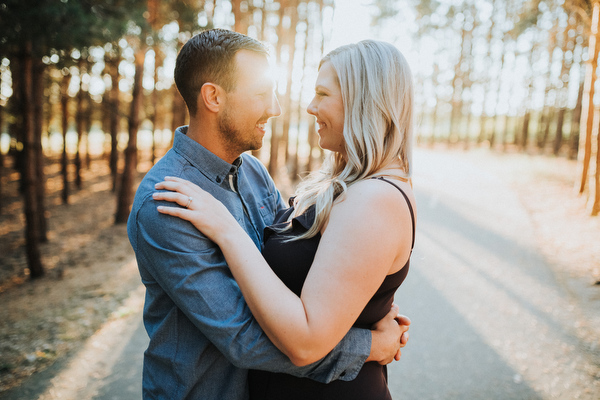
x=92 y=81
x=512 y=75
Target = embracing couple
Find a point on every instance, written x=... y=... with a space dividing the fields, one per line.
x=247 y=297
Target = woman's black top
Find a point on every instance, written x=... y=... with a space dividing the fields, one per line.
x=291 y=262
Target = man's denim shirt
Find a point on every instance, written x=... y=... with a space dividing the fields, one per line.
x=203 y=337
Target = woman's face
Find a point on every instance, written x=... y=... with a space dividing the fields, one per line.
x=328 y=108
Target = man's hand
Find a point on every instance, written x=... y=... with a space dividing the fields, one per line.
x=404 y=322
x=389 y=335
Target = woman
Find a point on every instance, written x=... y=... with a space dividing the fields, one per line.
x=336 y=257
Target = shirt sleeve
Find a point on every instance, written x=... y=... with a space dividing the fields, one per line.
x=192 y=271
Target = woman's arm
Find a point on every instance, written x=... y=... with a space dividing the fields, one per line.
x=357 y=250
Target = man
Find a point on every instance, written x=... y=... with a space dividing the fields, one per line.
x=203 y=337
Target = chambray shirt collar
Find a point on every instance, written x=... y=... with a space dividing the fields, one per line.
x=213 y=167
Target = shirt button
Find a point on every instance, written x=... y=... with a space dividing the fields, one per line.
x=218 y=179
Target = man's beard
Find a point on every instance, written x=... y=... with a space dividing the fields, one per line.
x=234 y=137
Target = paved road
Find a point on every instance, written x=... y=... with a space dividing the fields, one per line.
x=490 y=320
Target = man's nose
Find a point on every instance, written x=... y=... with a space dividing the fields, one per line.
x=275 y=109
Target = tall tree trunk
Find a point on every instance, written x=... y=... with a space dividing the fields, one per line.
x=525 y=131
x=276 y=124
x=296 y=160
x=261 y=36
x=32 y=234
x=38 y=122
x=125 y=198
x=154 y=99
x=563 y=92
x=507 y=118
x=587 y=111
x=434 y=113
x=575 y=124
x=287 y=110
x=1 y=125
x=467 y=83
x=87 y=128
x=494 y=134
x=239 y=15
x=179 y=110
x=546 y=133
x=79 y=121
x=64 y=101
x=115 y=116
x=558 y=138
x=457 y=91
x=16 y=128
x=527 y=104
x=489 y=63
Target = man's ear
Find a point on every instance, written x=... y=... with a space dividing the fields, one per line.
x=212 y=96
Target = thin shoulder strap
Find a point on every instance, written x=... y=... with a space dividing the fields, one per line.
x=412 y=214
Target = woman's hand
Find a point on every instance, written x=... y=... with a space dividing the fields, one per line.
x=205 y=212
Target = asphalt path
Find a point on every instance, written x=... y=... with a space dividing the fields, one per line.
x=490 y=320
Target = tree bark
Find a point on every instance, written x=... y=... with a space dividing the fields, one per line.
x=125 y=198
x=488 y=57
x=239 y=24
x=558 y=138
x=154 y=99
x=38 y=121
x=563 y=92
x=287 y=110
x=1 y=124
x=546 y=132
x=523 y=140
x=296 y=160
x=575 y=125
x=275 y=124
x=547 y=113
x=64 y=101
x=16 y=129
x=457 y=90
x=114 y=116
x=87 y=128
x=32 y=235
x=79 y=121
x=587 y=111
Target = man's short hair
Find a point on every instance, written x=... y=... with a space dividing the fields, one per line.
x=209 y=57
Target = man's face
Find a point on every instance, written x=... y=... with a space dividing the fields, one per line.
x=249 y=106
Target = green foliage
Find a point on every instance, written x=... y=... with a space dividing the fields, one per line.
x=65 y=24
x=185 y=12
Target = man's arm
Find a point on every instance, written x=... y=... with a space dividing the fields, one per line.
x=192 y=271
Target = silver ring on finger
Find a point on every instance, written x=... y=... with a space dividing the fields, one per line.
x=189 y=201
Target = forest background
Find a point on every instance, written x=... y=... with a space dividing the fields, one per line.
x=87 y=86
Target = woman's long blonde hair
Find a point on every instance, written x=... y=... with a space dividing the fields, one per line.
x=377 y=92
